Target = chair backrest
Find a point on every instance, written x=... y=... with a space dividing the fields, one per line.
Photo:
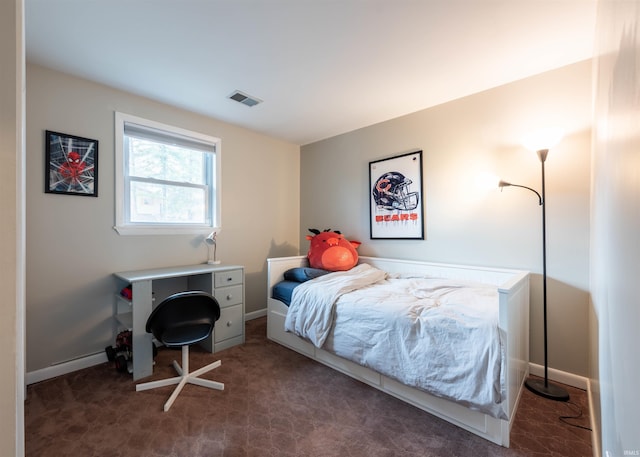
x=184 y=318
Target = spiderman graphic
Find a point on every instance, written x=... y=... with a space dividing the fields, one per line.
x=72 y=169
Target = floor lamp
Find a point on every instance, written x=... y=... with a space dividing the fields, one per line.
x=541 y=142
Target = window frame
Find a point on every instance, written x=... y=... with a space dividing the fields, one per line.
x=125 y=227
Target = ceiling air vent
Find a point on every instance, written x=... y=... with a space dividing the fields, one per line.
x=245 y=99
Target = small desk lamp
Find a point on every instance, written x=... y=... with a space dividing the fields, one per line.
x=541 y=142
x=211 y=243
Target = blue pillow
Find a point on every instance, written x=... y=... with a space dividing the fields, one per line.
x=303 y=274
x=283 y=291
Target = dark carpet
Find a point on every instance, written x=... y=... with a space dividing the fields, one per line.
x=276 y=403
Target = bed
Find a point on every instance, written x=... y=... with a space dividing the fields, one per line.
x=489 y=418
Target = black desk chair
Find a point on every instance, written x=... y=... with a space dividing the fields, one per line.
x=181 y=320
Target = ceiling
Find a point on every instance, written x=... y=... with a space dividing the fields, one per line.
x=321 y=67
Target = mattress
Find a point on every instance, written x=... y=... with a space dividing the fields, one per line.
x=438 y=335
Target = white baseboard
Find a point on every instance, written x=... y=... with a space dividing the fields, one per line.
x=66 y=367
x=595 y=430
x=91 y=360
x=573 y=380
x=32 y=377
x=255 y=314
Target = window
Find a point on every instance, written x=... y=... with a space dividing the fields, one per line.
x=167 y=179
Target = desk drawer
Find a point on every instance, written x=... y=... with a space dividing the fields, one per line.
x=229 y=324
x=227 y=278
x=228 y=296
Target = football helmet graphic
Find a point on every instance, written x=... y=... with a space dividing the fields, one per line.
x=391 y=192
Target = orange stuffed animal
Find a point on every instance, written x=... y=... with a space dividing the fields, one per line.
x=330 y=250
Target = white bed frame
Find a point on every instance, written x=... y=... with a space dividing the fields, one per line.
x=513 y=288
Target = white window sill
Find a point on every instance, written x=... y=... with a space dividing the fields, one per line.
x=164 y=230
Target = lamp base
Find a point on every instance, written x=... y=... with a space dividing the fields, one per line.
x=550 y=391
x=213 y=262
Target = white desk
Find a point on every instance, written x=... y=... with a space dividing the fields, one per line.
x=225 y=282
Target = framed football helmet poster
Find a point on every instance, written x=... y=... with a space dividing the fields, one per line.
x=395 y=190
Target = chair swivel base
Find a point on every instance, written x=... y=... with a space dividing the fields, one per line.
x=184 y=377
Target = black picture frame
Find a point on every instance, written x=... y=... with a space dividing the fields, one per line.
x=396 y=197
x=71 y=165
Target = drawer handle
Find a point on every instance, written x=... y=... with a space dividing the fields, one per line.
x=229 y=297
x=229 y=278
x=228 y=323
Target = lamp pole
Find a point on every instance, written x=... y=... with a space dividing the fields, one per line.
x=542 y=154
x=538 y=386
x=544 y=388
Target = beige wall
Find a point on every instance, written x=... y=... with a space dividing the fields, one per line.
x=12 y=228
x=72 y=249
x=615 y=260
x=466 y=223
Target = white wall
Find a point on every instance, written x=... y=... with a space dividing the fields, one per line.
x=72 y=249
x=467 y=224
x=615 y=226
x=12 y=227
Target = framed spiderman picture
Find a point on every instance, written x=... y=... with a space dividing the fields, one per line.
x=395 y=191
x=71 y=165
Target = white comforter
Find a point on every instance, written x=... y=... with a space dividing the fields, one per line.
x=439 y=335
